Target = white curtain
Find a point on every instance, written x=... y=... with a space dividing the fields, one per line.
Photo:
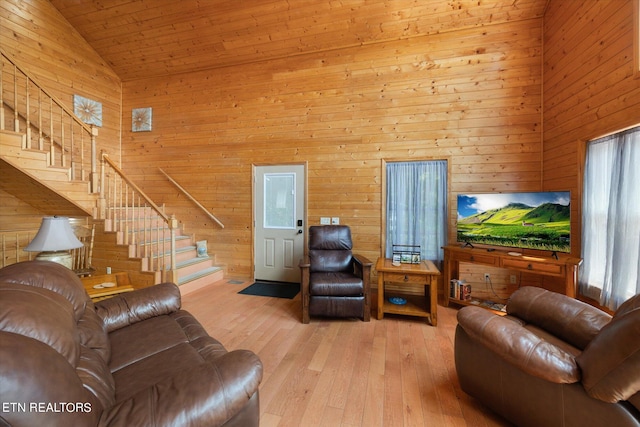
x=417 y=207
x=611 y=219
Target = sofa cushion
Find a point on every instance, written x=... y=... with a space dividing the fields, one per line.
x=330 y=248
x=335 y=284
x=51 y=276
x=93 y=334
x=142 y=340
x=33 y=373
x=40 y=314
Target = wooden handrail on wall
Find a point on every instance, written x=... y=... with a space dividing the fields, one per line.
x=186 y=193
x=129 y=212
x=56 y=125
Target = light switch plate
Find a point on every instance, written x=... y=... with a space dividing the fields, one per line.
x=325 y=220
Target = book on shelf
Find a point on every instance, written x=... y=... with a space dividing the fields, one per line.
x=459 y=289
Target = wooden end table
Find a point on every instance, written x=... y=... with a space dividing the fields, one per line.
x=425 y=273
x=121 y=280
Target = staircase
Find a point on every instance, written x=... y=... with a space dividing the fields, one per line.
x=57 y=174
x=145 y=235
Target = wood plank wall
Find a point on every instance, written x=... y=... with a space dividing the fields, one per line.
x=590 y=89
x=40 y=40
x=471 y=96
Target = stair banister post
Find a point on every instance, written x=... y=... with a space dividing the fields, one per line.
x=28 y=113
x=94 y=168
x=102 y=209
x=16 y=117
x=173 y=225
x=1 y=96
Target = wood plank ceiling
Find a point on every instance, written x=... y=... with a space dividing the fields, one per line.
x=151 y=38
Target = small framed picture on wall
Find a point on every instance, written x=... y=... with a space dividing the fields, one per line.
x=141 y=119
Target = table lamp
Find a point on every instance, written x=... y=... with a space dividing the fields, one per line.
x=53 y=240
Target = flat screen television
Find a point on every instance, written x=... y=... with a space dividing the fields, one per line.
x=540 y=221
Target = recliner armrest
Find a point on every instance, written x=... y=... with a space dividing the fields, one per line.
x=132 y=307
x=362 y=260
x=305 y=262
x=519 y=346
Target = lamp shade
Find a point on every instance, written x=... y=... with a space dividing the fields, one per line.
x=55 y=234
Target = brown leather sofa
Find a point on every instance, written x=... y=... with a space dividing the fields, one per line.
x=136 y=359
x=335 y=281
x=552 y=361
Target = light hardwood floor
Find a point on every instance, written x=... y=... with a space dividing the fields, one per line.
x=393 y=372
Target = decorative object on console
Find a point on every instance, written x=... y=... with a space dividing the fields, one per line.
x=88 y=110
x=408 y=254
x=141 y=119
x=53 y=240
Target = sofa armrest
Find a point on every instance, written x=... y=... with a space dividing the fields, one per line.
x=132 y=307
x=567 y=318
x=611 y=362
x=519 y=346
x=207 y=394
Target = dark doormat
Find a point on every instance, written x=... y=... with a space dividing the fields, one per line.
x=272 y=289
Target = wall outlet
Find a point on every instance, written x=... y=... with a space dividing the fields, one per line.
x=335 y=220
x=487 y=277
x=325 y=220
x=513 y=279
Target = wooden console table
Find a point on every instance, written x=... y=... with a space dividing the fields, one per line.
x=566 y=267
x=424 y=273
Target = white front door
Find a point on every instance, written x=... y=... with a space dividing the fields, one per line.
x=279 y=222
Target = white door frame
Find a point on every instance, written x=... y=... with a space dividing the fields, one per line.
x=255 y=187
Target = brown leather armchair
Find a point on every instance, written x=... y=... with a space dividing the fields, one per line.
x=335 y=282
x=552 y=360
x=135 y=359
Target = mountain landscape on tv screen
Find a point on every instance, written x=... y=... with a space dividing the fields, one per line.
x=544 y=227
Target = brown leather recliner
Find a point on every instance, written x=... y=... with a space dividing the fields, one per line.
x=552 y=361
x=335 y=281
x=136 y=359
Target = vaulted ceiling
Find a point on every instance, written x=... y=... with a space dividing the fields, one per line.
x=146 y=38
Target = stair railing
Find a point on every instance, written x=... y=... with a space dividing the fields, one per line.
x=47 y=123
x=138 y=222
x=12 y=246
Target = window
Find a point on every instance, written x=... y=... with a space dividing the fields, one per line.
x=416 y=207
x=611 y=219
x=636 y=38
